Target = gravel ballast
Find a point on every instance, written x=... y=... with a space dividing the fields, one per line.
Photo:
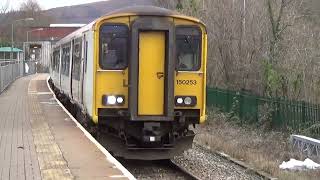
x=150 y=170
x=207 y=165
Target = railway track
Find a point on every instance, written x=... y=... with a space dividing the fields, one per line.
x=180 y=168
x=162 y=169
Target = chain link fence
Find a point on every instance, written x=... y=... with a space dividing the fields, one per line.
x=11 y=70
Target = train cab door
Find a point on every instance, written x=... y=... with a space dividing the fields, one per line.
x=151 y=70
x=151 y=73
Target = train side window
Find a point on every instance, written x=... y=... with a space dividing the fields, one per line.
x=76 y=60
x=188 y=48
x=114 y=47
x=52 y=62
x=55 y=61
x=63 y=62
x=66 y=60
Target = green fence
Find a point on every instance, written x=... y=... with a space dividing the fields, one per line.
x=295 y=115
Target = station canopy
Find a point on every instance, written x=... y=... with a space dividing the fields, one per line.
x=8 y=49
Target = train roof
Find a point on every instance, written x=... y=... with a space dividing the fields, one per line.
x=130 y=10
x=144 y=10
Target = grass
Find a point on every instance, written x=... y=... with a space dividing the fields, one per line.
x=262 y=149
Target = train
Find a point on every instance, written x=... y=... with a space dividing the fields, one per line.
x=136 y=79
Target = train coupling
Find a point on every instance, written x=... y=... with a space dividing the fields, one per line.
x=151 y=132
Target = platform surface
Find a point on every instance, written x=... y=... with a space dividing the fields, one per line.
x=38 y=140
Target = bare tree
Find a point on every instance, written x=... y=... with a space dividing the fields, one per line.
x=4 y=6
x=30 y=8
x=168 y=4
x=268 y=47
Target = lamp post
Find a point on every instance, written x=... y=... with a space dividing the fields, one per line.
x=12 y=25
x=39 y=29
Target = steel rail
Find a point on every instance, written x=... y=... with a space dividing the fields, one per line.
x=183 y=170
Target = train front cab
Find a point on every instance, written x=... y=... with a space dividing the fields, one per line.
x=150 y=83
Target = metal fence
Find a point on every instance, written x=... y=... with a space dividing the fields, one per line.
x=11 y=70
x=281 y=113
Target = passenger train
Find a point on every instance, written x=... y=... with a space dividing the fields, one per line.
x=136 y=77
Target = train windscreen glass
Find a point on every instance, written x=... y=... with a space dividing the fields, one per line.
x=113 y=47
x=188 y=45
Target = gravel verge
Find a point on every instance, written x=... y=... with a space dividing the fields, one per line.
x=208 y=165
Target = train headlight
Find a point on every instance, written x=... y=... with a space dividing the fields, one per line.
x=179 y=100
x=113 y=100
x=120 y=100
x=186 y=101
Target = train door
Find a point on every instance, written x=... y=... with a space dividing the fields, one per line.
x=151 y=70
x=60 y=65
x=83 y=66
x=151 y=73
x=71 y=59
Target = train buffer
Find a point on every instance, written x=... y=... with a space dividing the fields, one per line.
x=38 y=140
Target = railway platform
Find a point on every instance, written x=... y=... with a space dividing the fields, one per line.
x=39 y=140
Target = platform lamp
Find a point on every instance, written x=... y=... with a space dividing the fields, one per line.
x=12 y=26
x=39 y=29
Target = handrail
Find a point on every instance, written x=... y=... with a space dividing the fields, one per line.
x=9 y=72
x=306 y=145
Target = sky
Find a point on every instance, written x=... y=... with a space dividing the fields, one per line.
x=48 y=4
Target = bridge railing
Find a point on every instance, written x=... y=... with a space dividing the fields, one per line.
x=306 y=145
x=9 y=72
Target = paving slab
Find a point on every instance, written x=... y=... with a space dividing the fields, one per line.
x=38 y=140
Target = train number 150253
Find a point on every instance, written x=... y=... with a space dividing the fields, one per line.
x=187 y=82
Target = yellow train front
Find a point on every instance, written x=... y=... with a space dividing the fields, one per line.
x=141 y=80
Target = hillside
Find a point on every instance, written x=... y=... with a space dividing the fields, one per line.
x=88 y=12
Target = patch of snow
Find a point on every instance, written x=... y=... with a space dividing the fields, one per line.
x=293 y=164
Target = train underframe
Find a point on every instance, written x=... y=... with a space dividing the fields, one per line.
x=145 y=140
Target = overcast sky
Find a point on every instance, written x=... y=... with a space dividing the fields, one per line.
x=48 y=4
